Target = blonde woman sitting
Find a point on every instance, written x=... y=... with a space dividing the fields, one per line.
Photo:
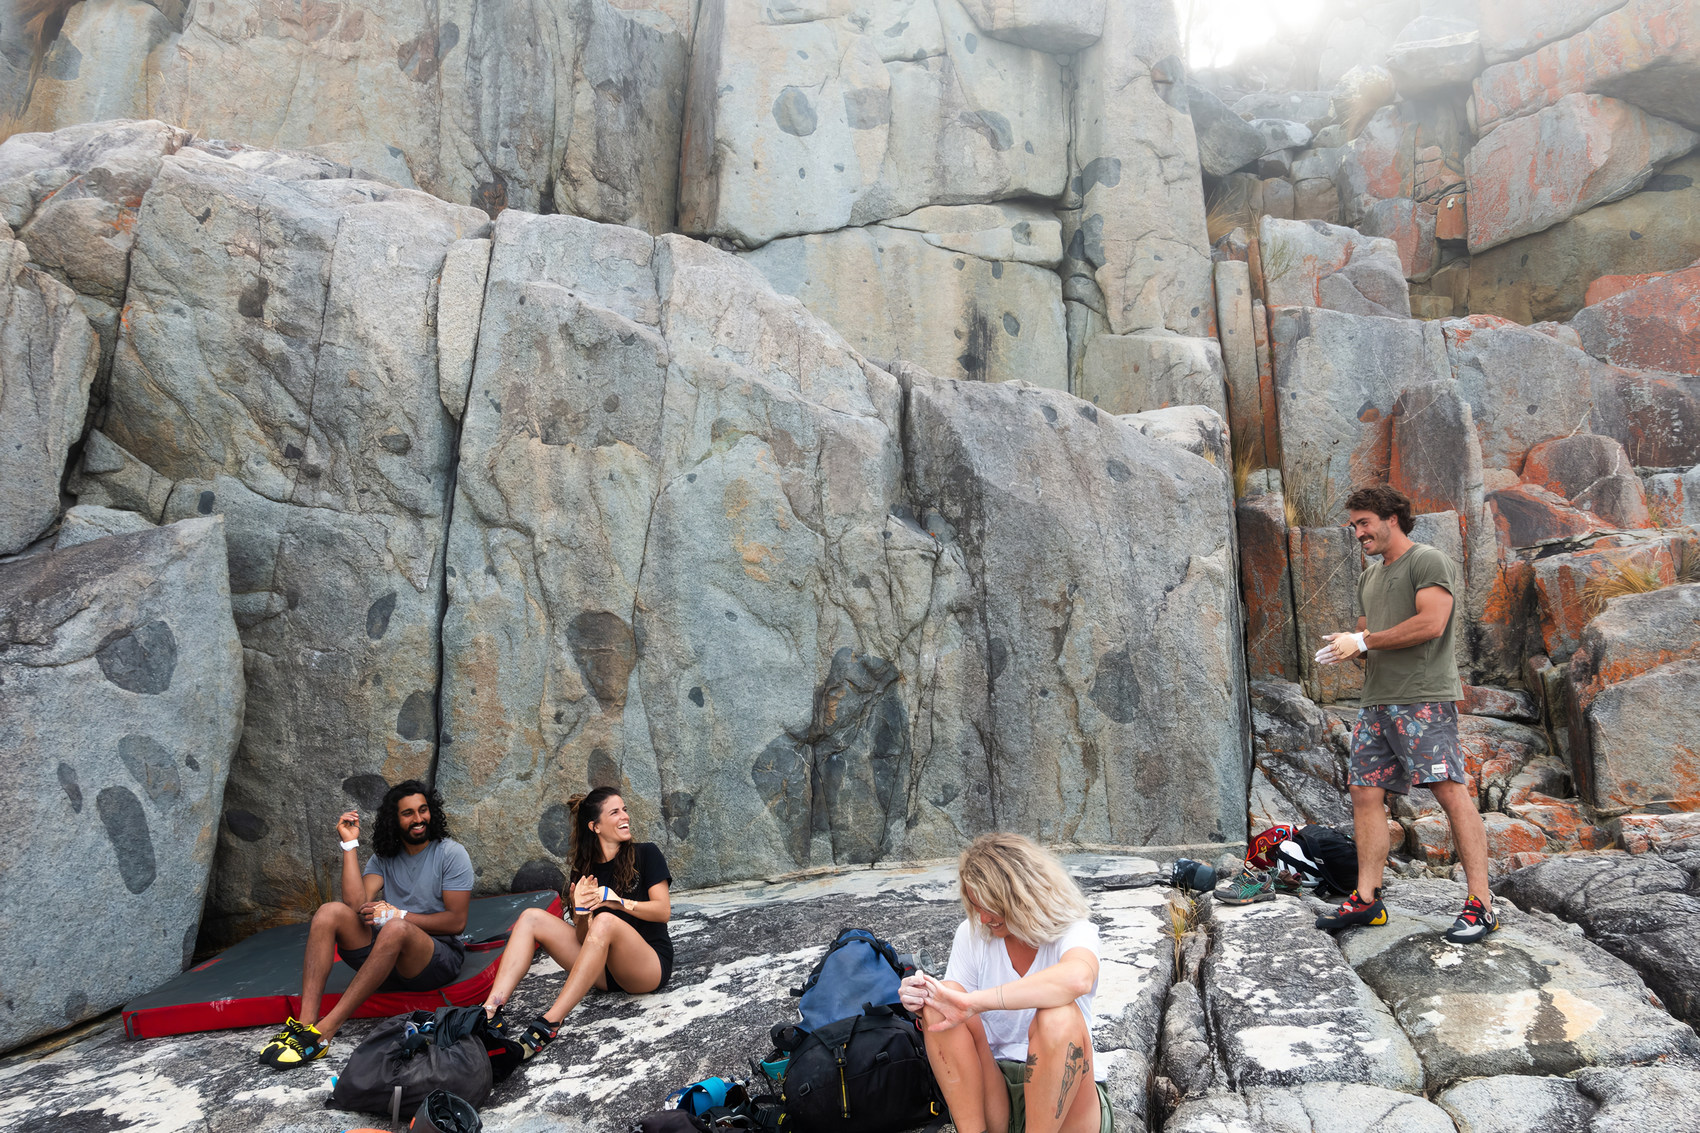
x=1009 y=1028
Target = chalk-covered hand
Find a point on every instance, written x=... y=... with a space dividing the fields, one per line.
x=912 y=992
x=1340 y=647
x=952 y=1006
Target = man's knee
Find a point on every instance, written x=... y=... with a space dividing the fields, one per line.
x=394 y=934
x=1368 y=798
x=334 y=913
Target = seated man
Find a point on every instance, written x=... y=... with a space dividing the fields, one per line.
x=404 y=942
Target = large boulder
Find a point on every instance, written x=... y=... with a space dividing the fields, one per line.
x=1226 y=141
x=1654 y=326
x=1642 y=1097
x=1512 y=28
x=48 y=356
x=278 y=365
x=1337 y=1107
x=810 y=119
x=1640 y=748
x=1137 y=373
x=941 y=294
x=1307 y=263
x=1060 y=26
x=1286 y=1008
x=1514 y=1103
x=1546 y=276
x=1266 y=587
x=1140 y=230
x=1646 y=52
x=1638 y=907
x=1583 y=150
x=123 y=701
x=571 y=105
x=1337 y=376
x=803 y=630
x=1531 y=999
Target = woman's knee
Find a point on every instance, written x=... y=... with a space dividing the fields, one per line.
x=1053 y=1027
x=603 y=927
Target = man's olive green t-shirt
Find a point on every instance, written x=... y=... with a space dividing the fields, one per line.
x=1387 y=595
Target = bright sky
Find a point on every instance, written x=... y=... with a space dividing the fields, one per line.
x=1223 y=30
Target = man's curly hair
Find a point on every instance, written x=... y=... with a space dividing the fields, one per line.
x=1385 y=503
x=386 y=828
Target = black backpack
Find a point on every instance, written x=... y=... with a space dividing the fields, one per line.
x=1335 y=854
x=865 y=1074
x=408 y=1057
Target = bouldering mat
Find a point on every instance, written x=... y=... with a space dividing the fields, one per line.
x=258 y=982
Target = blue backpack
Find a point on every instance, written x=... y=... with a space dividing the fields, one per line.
x=859 y=970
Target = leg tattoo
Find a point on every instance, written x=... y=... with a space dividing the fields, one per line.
x=1071 y=1071
x=1032 y=1068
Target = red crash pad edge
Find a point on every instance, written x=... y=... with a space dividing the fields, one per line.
x=266 y=1010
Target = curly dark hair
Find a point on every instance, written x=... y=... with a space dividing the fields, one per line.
x=1385 y=502
x=386 y=828
x=587 y=848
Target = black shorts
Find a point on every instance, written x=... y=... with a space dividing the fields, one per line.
x=663 y=949
x=440 y=971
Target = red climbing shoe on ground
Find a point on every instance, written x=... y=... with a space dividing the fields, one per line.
x=1354 y=911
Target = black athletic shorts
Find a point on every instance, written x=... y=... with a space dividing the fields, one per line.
x=440 y=971
x=663 y=949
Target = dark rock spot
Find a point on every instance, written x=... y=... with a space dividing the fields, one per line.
x=1667 y=183
x=731 y=616
x=1105 y=171
x=252 y=302
x=73 y=790
x=1118 y=471
x=1088 y=241
x=867 y=108
x=492 y=197
x=1115 y=690
x=971 y=42
x=1534 y=409
x=1050 y=413
x=611 y=403
x=204 y=215
x=1011 y=325
x=417 y=719
x=75 y=1007
x=991 y=125
x=421 y=57
x=378 y=616
x=690 y=477
x=249 y=826
x=603 y=645
x=190 y=762
x=367 y=790
x=1090 y=412
x=1028 y=146
x=140 y=660
x=205 y=504
x=998 y=650
x=948 y=793
x=794 y=113
x=127 y=829
x=152 y=767
x=604 y=772
x=997 y=269
x=537 y=874
x=696 y=696
x=555 y=830
x=862 y=582
x=291 y=452
x=676 y=807
x=397 y=443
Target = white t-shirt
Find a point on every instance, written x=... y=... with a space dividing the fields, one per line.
x=978 y=962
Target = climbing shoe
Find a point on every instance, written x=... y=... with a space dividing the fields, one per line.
x=1248 y=886
x=1354 y=911
x=531 y=1037
x=296 y=1045
x=1473 y=924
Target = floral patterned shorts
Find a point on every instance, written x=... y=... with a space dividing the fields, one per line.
x=1396 y=745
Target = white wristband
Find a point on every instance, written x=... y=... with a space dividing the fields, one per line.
x=401 y=914
x=351 y=843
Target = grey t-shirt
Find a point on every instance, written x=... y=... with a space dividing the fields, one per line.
x=1387 y=595
x=416 y=882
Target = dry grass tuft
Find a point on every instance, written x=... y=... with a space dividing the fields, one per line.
x=1227 y=210
x=1183 y=911
x=1242 y=470
x=1309 y=498
x=1688 y=562
x=1629 y=578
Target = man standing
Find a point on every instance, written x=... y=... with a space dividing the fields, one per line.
x=1407 y=729
x=404 y=942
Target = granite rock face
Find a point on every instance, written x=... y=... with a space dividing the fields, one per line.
x=278 y=367
x=811 y=118
x=1638 y=907
x=1531 y=999
x=1583 y=150
x=1513 y=28
x=48 y=355
x=1313 y=264
x=806 y=573
x=1653 y=326
x=123 y=702
x=567 y=105
x=1337 y=1107
x=965 y=293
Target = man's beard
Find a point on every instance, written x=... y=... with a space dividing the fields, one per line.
x=418 y=839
